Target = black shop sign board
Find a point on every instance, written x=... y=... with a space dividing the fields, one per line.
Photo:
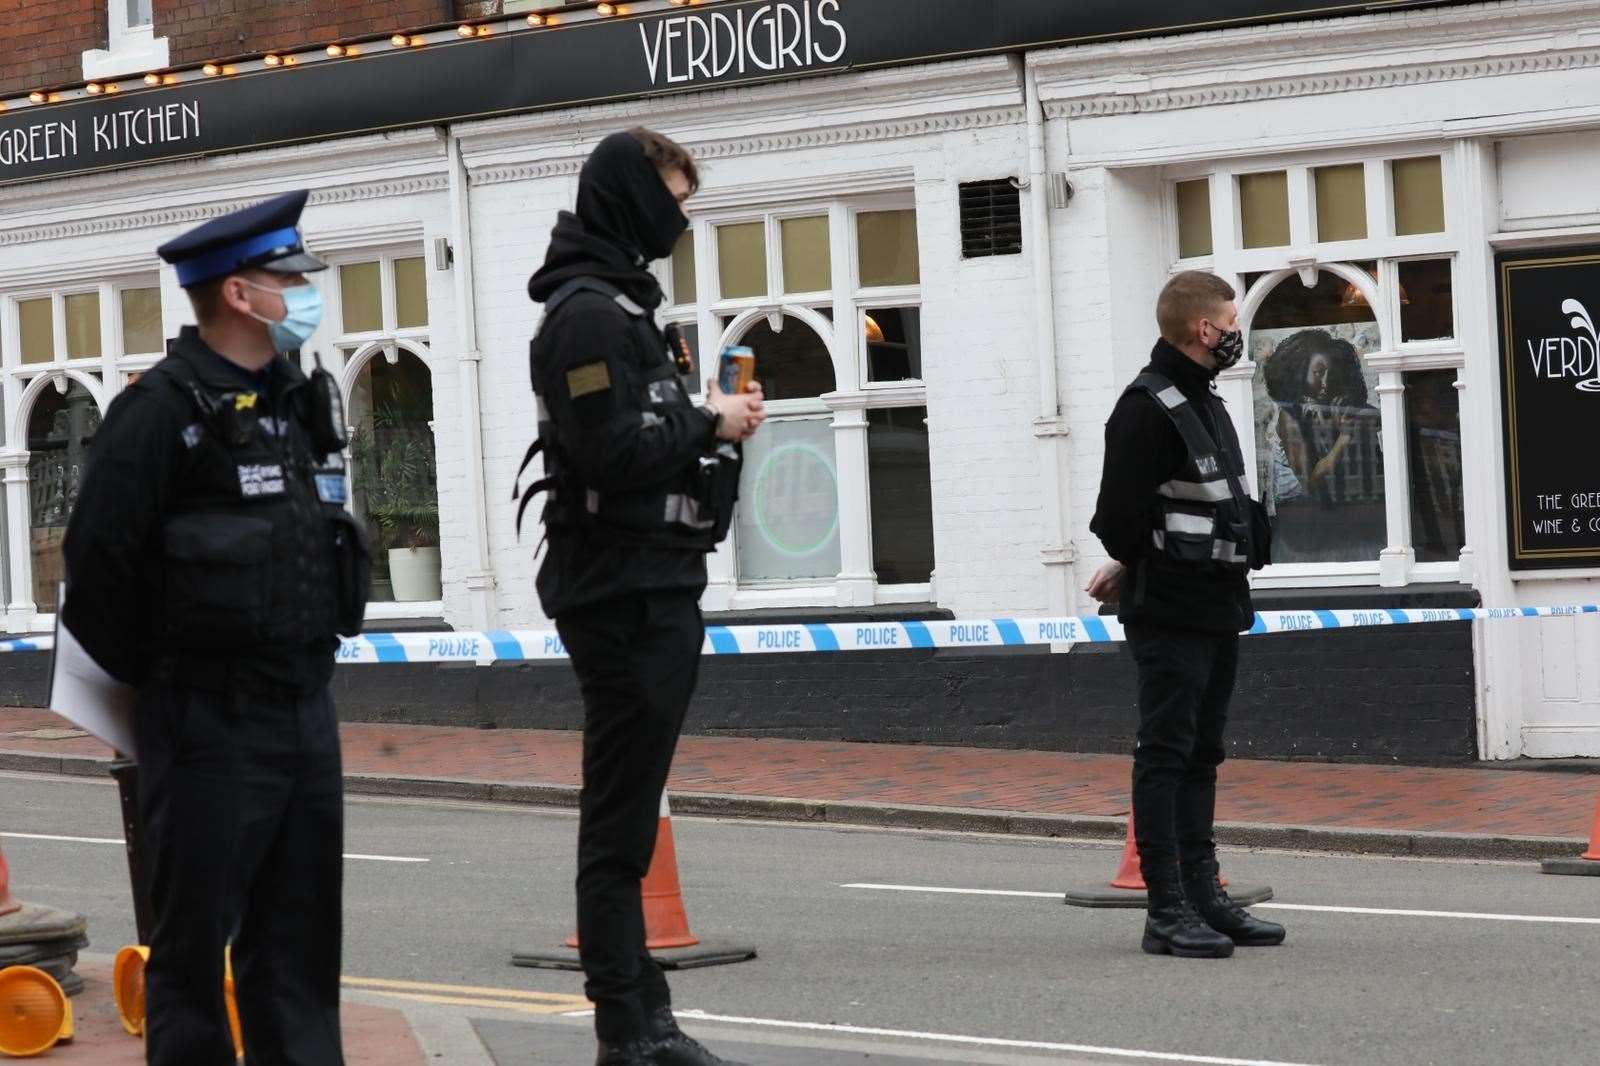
x=571 y=64
x=1550 y=389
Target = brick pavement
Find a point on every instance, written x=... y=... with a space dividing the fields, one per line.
x=1473 y=800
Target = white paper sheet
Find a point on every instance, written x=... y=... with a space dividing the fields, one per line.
x=87 y=696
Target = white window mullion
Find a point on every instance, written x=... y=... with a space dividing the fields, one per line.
x=111 y=341
x=1395 y=562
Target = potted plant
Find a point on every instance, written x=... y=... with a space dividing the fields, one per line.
x=395 y=476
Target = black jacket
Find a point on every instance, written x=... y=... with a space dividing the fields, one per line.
x=1143 y=450
x=198 y=563
x=599 y=424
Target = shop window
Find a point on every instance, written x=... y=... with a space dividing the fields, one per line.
x=1319 y=440
x=1427 y=307
x=894 y=343
x=1418 y=195
x=1264 y=209
x=1341 y=202
x=82 y=311
x=886 y=248
x=361 y=297
x=61 y=426
x=394 y=476
x=411 y=293
x=1194 y=218
x=141 y=321
x=840 y=469
x=807 y=254
x=742 y=260
x=902 y=497
x=37 y=321
x=1433 y=453
x=683 y=273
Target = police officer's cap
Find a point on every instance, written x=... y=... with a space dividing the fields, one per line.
x=265 y=236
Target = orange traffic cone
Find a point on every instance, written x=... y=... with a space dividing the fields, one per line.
x=1128 y=875
x=1587 y=864
x=666 y=925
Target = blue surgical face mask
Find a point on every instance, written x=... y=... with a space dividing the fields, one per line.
x=302 y=307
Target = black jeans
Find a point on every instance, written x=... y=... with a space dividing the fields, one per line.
x=242 y=821
x=1185 y=681
x=637 y=658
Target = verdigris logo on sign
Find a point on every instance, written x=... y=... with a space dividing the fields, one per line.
x=1574 y=358
x=767 y=38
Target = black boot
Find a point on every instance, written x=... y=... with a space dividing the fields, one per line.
x=674 y=1047
x=1221 y=913
x=632 y=1053
x=1174 y=927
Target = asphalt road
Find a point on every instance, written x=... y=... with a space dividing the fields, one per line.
x=1501 y=964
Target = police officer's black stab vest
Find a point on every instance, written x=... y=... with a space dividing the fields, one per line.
x=689 y=512
x=251 y=550
x=1206 y=514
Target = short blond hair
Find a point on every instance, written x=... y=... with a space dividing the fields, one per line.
x=1191 y=295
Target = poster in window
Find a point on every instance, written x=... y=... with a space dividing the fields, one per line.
x=1550 y=395
x=1319 y=442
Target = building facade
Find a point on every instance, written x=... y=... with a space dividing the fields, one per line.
x=947 y=264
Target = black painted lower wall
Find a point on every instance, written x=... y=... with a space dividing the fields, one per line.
x=1377 y=694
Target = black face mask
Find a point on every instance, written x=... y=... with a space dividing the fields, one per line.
x=622 y=199
x=1229 y=348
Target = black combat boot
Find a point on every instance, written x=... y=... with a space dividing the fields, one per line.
x=1221 y=913
x=674 y=1047
x=639 y=1052
x=1174 y=927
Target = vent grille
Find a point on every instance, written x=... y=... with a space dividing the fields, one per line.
x=991 y=218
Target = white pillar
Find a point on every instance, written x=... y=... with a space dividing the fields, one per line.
x=20 y=610
x=1394 y=562
x=479 y=576
x=857 y=580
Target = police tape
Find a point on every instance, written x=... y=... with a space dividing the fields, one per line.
x=500 y=646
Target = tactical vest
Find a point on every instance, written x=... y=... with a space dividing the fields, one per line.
x=257 y=546
x=692 y=511
x=1205 y=511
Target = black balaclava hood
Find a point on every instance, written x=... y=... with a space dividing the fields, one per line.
x=622 y=199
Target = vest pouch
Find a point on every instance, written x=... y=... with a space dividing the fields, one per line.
x=1260 y=535
x=217 y=580
x=717 y=489
x=352 y=572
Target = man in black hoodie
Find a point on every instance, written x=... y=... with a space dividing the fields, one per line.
x=628 y=458
x=1182 y=534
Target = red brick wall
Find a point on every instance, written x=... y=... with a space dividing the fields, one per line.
x=42 y=42
x=211 y=29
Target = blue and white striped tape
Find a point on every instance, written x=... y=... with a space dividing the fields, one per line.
x=536 y=645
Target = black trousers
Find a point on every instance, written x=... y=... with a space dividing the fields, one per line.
x=637 y=658
x=242 y=822
x=1185 y=682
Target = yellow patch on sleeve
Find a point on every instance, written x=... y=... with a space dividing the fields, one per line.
x=588 y=379
x=244 y=401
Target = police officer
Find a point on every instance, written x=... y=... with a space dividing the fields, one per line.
x=210 y=563
x=640 y=487
x=1182 y=533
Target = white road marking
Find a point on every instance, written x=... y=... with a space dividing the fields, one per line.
x=119 y=841
x=1477 y=916
x=957 y=891
x=982 y=1041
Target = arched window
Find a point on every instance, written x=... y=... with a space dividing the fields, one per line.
x=787 y=527
x=60 y=427
x=394 y=474
x=1319 y=432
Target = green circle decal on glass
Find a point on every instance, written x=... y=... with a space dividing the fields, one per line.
x=796 y=500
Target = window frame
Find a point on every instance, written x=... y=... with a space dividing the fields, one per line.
x=1304 y=256
x=103 y=376
x=353 y=350
x=847 y=301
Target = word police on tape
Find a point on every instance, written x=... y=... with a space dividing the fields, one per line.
x=502 y=645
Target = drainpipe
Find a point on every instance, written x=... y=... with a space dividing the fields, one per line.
x=1049 y=428
x=480 y=572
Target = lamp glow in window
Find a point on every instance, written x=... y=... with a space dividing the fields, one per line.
x=1319 y=440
